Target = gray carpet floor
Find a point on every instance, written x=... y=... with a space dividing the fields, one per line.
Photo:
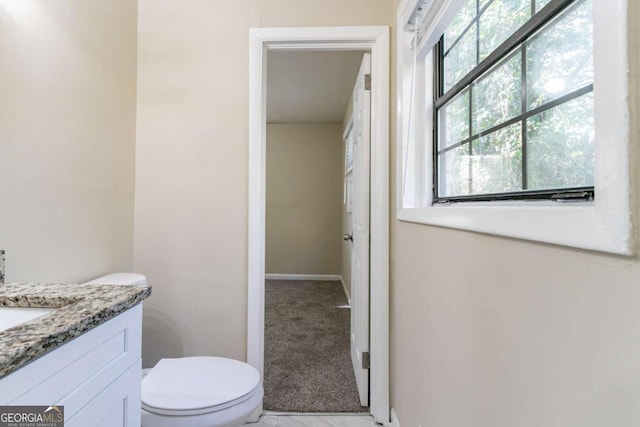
x=307 y=360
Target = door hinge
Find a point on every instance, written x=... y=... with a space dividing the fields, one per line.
x=367 y=82
x=366 y=360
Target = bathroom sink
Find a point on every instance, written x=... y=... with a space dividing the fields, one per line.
x=13 y=316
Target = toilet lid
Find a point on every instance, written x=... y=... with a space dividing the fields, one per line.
x=200 y=384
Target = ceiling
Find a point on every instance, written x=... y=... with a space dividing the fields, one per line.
x=310 y=86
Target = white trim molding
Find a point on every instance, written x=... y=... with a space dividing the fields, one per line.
x=606 y=224
x=374 y=40
x=346 y=291
x=311 y=277
x=394 y=418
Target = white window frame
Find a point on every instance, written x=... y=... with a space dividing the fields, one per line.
x=605 y=224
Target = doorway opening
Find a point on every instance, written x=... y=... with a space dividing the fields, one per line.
x=308 y=363
x=374 y=40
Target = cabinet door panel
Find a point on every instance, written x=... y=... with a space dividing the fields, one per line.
x=97 y=356
x=116 y=406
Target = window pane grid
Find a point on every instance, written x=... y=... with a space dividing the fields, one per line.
x=476 y=25
x=559 y=101
x=520 y=36
x=522 y=121
x=493 y=160
x=480 y=8
x=448 y=46
x=471 y=32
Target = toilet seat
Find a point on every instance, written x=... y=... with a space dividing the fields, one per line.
x=120 y=279
x=198 y=385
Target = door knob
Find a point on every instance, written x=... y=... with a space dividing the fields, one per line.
x=348 y=237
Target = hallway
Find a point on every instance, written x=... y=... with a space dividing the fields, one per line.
x=307 y=362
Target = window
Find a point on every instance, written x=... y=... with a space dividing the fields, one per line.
x=530 y=126
x=514 y=112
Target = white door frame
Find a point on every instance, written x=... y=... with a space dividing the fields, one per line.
x=375 y=40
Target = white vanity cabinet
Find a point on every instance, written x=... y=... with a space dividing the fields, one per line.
x=95 y=376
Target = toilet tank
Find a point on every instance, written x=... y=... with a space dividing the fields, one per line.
x=119 y=279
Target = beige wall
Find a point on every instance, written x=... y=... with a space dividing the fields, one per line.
x=304 y=198
x=192 y=159
x=495 y=332
x=67 y=136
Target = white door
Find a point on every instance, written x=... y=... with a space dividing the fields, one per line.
x=360 y=226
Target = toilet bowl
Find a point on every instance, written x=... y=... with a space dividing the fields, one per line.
x=194 y=391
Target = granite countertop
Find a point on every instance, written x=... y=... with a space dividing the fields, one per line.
x=80 y=309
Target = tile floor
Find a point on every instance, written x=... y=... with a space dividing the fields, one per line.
x=323 y=420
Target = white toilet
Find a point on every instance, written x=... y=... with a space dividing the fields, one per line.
x=194 y=391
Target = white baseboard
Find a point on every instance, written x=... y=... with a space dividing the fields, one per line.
x=394 y=418
x=319 y=277
x=346 y=291
x=316 y=277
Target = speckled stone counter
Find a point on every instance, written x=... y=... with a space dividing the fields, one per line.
x=80 y=308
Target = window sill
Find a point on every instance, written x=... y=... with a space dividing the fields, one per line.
x=574 y=224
